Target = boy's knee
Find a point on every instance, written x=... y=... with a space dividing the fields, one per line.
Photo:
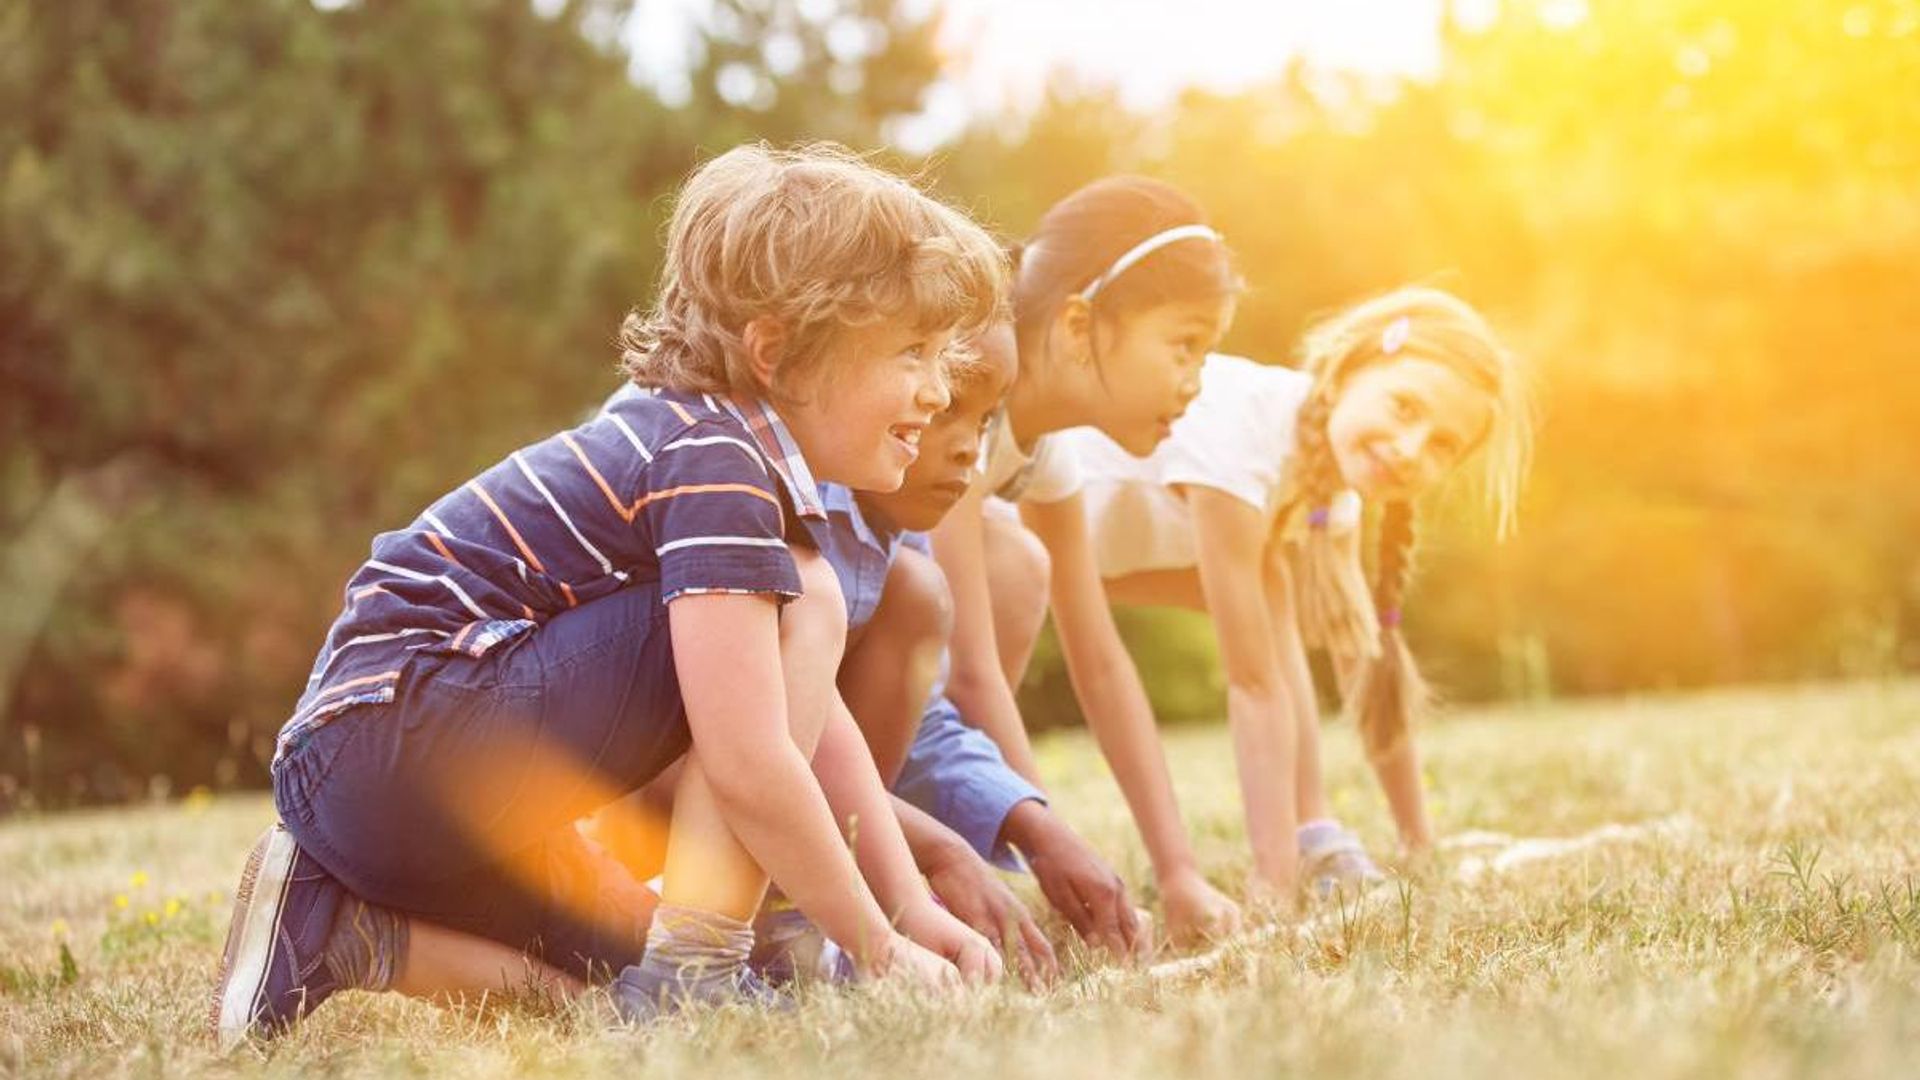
x=1020 y=563
x=916 y=604
x=817 y=619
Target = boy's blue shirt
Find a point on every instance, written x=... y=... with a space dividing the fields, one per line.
x=953 y=770
x=691 y=491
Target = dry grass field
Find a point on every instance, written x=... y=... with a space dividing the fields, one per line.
x=1758 y=916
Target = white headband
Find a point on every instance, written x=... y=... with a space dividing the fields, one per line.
x=1145 y=248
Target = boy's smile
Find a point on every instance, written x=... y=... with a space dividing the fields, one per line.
x=951 y=444
x=861 y=422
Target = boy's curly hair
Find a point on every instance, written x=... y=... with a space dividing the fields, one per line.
x=817 y=239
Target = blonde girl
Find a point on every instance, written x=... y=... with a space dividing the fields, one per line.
x=1119 y=295
x=1252 y=512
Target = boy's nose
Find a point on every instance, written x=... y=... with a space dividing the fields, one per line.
x=934 y=395
x=966 y=448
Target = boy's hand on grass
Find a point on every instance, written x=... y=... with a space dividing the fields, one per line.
x=1079 y=885
x=905 y=961
x=1196 y=911
x=934 y=927
x=975 y=895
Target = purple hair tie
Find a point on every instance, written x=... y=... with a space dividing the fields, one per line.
x=1318 y=517
x=1390 y=617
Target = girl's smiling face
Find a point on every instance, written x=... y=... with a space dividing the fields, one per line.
x=1149 y=367
x=1399 y=426
x=860 y=420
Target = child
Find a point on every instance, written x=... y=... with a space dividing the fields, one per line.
x=643 y=588
x=1118 y=297
x=962 y=805
x=1249 y=512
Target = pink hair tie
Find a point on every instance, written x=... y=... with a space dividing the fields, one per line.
x=1318 y=517
x=1394 y=337
x=1390 y=617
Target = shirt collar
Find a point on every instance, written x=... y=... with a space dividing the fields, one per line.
x=872 y=529
x=771 y=434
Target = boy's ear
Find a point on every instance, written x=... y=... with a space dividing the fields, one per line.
x=765 y=339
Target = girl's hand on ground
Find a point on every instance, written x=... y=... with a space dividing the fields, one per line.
x=977 y=961
x=1270 y=901
x=976 y=896
x=1196 y=911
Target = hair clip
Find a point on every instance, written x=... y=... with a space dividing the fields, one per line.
x=1317 y=517
x=1395 y=335
x=1390 y=617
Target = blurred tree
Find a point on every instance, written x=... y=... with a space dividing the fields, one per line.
x=302 y=268
x=273 y=275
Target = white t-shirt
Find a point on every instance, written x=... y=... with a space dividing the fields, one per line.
x=1237 y=437
x=1048 y=474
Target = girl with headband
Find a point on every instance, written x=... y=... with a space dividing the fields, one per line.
x=1119 y=296
x=1251 y=512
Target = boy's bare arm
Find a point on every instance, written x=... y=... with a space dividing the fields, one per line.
x=727 y=654
x=973 y=891
x=860 y=801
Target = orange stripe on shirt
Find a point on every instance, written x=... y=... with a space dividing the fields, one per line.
x=525 y=551
x=368 y=590
x=567 y=590
x=599 y=480
x=434 y=539
x=703 y=489
x=462 y=635
x=685 y=416
x=628 y=513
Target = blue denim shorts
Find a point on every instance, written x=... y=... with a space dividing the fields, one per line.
x=456 y=802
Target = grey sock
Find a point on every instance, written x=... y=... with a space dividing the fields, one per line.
x=684 y=938
x=367 y=946
x=692 y=956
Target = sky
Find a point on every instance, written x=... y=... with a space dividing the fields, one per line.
x=1002 y=52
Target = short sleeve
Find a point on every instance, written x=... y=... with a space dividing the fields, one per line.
x=1238 y=434
x=713 y=512
x=1054 y=472
x=1209 y=459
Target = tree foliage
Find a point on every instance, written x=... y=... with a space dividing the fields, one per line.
x=274 y=275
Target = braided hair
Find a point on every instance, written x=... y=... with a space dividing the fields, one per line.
x=1338 y=609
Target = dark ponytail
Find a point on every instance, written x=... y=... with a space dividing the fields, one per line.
x=1078 y=239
